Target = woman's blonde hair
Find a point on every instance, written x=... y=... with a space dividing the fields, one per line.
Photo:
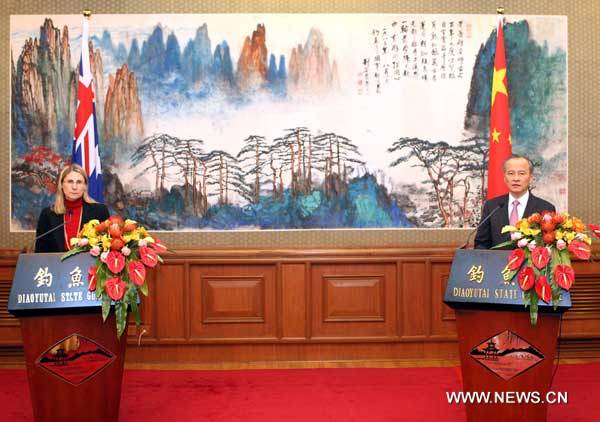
x=59 y=199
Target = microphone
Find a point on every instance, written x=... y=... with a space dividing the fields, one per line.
x=499 y=206
x=67 y=220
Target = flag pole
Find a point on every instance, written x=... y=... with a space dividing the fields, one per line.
x=500 y=136
x=500 y=13
x=85 y=137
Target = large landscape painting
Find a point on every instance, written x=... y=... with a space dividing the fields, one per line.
x=286 y=121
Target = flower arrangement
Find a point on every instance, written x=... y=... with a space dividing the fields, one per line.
x=545 y=243
x=123 y=250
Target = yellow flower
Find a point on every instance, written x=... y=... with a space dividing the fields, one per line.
x=531 y=232
x=507 y=229
x=570 y=236
x=93 y=241
x=149 y=239
x=130 y=222
x=105 y=243
x=126 y=238
x=568 y=224
x=578 y=225
x=522 y=225
x=559 y=234
x=89 y=232
x=74 y=240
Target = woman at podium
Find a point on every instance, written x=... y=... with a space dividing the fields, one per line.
x=72 y=208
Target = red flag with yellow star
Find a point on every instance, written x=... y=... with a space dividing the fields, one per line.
x=500 y=139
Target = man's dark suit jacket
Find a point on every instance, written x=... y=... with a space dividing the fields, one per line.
x=55 y=241
x=489 y=234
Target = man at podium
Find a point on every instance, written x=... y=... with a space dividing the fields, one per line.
x=508 y=209
x=72 y=208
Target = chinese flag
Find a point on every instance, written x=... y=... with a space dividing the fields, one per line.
x=500 y=140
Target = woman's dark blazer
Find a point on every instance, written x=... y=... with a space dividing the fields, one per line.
x=55 y=241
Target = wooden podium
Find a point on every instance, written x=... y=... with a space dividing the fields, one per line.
x=74 y=359
x=501 y=353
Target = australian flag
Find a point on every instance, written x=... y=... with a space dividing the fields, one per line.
x=85 y=142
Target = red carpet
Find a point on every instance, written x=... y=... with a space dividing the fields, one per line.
x=414 y=394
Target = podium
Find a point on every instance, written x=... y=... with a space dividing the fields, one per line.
x=74 y=359
x=504 y=359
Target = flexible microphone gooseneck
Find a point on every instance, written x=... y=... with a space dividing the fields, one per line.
x=499 y=206
x=68 y=216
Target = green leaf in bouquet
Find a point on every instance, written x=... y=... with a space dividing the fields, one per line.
x=526 y=299
x=503 y=244
x=134 y=306
x=74 y=251
x=533 y=309
x=105 y=307
x=555 y=258
x=144 y=288
x=555 y=294
x=101 y=270
x=565 y=258
x=121 y=316
x=101 y=276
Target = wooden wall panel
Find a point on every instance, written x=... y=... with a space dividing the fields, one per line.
x=353 y=298
x=416 y=303
x=233 y=299
x=169 y=296
x=443 y=323
x=294 y=303
x=10 y=328
x=354 y=301
x=146 y=330
x=582 y=321
x=232 y=302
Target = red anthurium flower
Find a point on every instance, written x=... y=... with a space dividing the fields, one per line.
x=526 y=278
x=148 y=256
x=158 y=246
x=515 y=259
x=564 y=276
x=115 y=287
x=137 y=272
x=115 y=261
x=595 y=229
x=542 y=288
x=540 y=257
x=92 y=279
x=580 y=249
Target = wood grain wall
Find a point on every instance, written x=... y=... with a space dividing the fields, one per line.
x=211 y=306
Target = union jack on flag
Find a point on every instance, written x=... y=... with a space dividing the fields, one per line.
x=85 y=141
